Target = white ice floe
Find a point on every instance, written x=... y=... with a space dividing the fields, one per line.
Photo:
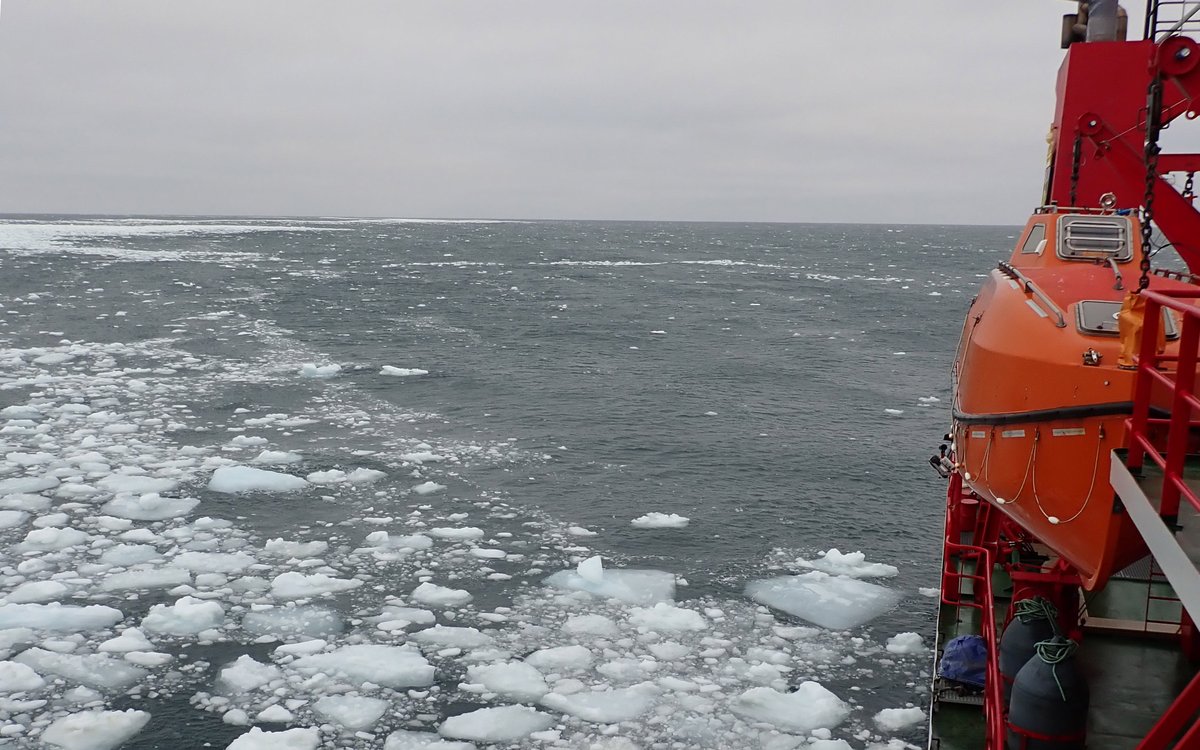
x=810 y=706
x=59 y=617
x=428 y=488
x=444 y=636
x=606 y=706
x=835 y=602
x=402 y=372
x=293 y=585
x=187 y=616
x=313 y=370
x=517 y=681
x=145 y=577
x=274 y=458
x=36 y=591
x=664 y=617
x=355 y=713
x=660 y=521
x=906 y=643
x=391 y=666
x=213 y=562
x=16 y=677
x=439 y=596
x=130 y=639
x=246 y=674
x=92 y=670
x=630 y=586
x=853 y=564
x=290 y=622
x=234 y=479
x=893 y=412
x=897 y=719
x=290 y=548
x=456 y=532
x=501 y=724
x=289 y=739
x=404 y=739
x=561 y=658
x=94 y=730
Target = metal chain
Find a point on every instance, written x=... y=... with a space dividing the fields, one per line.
x=1153 y=125
x=1187 y=186
x=1076 y=156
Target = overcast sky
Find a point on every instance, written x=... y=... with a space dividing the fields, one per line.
x=928 y=111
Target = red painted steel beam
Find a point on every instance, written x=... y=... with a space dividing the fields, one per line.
x=1163 y=734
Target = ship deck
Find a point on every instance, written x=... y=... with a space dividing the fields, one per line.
x=1129 y=654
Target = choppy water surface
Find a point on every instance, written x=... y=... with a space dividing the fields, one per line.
x=779 y=386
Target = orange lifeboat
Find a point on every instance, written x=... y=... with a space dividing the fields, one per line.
x=1040 y=400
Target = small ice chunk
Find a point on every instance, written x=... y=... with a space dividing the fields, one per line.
x=213 y=562
x=12 y=518
x=235 y=479
x=518 y=681
x=390 y=666
x=124 y=555
x=286 y=548
x=363 y=475
x=590 y=625
x=145 y=578
x=451 y=637
x=402 y=372
x=130 y=639
x=16 y=677
x=135 y=484
x=667 y=617
x=274 y=458
x=293 y=585
x=246 y=674
x=630 y=586
x=22 y=485
x=456 y=532
x=606 y=706
x=94 y=730
x=329 y=476
x=245 y=441
x=834 y=602
x=660 y=521
x=187 y=616
x=439 y=596
x=591 y=569
x=906 y=643
x=561 y=658
x=500 y=724
x=36 y=591
x=58 y=617
x=149 y=507
x=853 y=564
x=274 y=714
x=893 y=412
x=896 y=719
x=293 y=621
x=45 y=540
x=428 y=488
x=352 y=712
x=93 y=670
x=289 y=739
x=580 y=531
x=811 y=706
x=313 y=370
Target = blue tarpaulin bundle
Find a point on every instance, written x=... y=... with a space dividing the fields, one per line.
x=965 y=660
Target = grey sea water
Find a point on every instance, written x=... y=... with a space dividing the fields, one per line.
x=779 y=385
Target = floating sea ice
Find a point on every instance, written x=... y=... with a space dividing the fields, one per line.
x=45 y=540
x=896 y=719
x=401 y=372
x=285 y=548
x=312 y=370
x=22 y=485
x=124 y=555
x=130 y=639
x=451 y=637
x=515 y=680
x=233 y=479
x=12 y=518
x=36 y=591
x=149 y=507
x=660 y=521
x=663 y=617
x=931 y=591
x=329 y=476
x=352 y=712
x=853 y=564
x=928 y=399
x=906 y=643
x=439 y=596
x=893 y=412
x=24 y=501
x=501 y=724
x=16 y=677
x=364 y=476
x=833 y=602
x=456 y=532
x=580 y=531
x=187 y=616
x=606 y=706
x=809 y=707
x=93 y=670
x=293 y=585
x=404 y=739
x=390 y=666
x=428 y=488
x=274 y=714
x=293 y=621
x=272 y=458
x=145 y=578
x=630 y=586
x=58 y=617
x=421 y=457
x=245 y=441
x=135 y=484
x=597 y=625
x=246 y=674
x=94 y=730
x=213 y=562
x=561 y=658
x=289 y=739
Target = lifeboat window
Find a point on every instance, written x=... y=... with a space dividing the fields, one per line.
x=1091 y=237
x=1099 y=317
x=1036 y=242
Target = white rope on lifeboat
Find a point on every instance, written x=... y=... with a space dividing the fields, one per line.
x=1091 y=486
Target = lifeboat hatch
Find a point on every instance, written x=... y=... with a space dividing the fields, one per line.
x=1099 y=318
